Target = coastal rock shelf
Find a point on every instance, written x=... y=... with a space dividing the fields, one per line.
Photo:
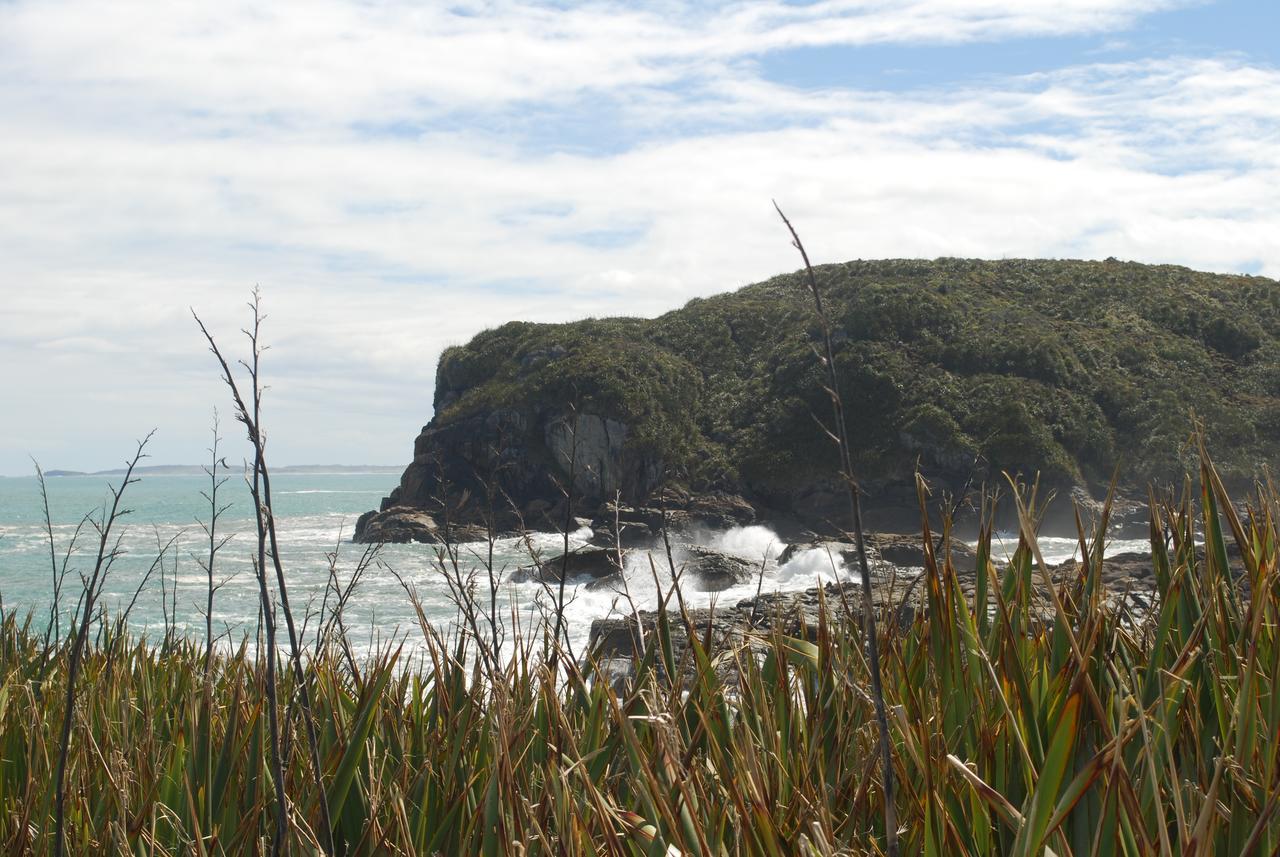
x=897 y=593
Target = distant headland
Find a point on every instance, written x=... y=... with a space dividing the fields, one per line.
x=199 y=470
x=962 y=370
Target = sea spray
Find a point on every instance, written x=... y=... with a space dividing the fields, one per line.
x=648 y=571
x=316 y=514
x=813 y=566
x=753 y=542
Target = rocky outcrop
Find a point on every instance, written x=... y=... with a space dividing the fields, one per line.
x=903 y=551
x=397 y=524
x=512 y=466
x=401 y=524
x=593 y=564
x=712 y=571
x=682 y=516
x=593 y=449
x=1127 y=580
x=963 y=370
x=843 y=551
x=615 y=642
x=908 y=551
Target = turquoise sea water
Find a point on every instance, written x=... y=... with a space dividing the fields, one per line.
x=314 y=512
x=315 y=515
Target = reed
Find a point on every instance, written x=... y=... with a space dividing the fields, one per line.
x=1019 y=725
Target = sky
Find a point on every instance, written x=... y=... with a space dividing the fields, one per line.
x=396 y=177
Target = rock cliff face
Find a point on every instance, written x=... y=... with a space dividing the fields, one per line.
x=964 y=369
x=516 y=463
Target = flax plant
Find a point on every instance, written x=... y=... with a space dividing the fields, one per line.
x=1032 y=710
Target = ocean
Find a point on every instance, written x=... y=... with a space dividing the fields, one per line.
x=315 y=514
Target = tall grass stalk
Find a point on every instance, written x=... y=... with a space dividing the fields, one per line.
x=260 y=489
x=768 y=746
x=840 y=436
x=108 y=551
x=216 y=542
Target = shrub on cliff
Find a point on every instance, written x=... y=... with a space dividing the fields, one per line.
x=1059 y=367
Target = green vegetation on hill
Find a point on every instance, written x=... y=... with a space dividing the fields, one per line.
x=1064 y=368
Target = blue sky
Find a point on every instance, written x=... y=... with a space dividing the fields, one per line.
x=397 y=176
x=1244 y=28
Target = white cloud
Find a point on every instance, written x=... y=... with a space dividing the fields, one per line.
x=299 y=63
x=156 y=160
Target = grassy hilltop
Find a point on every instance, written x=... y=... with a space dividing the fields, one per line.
x=1067 y=368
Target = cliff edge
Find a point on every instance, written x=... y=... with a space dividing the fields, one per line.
x=964 y=369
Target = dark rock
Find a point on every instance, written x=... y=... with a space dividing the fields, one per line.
x=630 y=534
x=611 y=583
x=521 y=458
x=898 y=550
x=720 y=510
x=1129 y=517
x=401 y=524
x=842 y=550
x=588 y=563
x=1128 y=582
x=642 y=526
x=908 y=551
x=716 y=394
x=537 y=510
x=714 y=571
x=462 y=533
x=396 y=525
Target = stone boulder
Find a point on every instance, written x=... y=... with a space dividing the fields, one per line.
x=401 y=524
x=396 y=525
x=588 y=564
x=901 y=551
x=713 y=571
x=908 y=551
x=628 y=529
x=841 y=550
x=719 y=510
x=684 y=515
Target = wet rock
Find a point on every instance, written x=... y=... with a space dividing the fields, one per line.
x=588 y=564
x=908 y=551
x=714 y=571
x=608 y=533
x=720 y=510
x=643 y=526
x=461 y=533
x=402 y=524
x=898 y=550
x=618 y=642
x=1128 y=582
x=396 y=525
x=839 y=550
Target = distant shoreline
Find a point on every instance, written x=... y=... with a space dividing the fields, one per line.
x=199 y=470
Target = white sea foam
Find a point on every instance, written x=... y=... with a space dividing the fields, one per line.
x=314 y=511
x=755 y=543
x=812 y=564
x=1057 y=550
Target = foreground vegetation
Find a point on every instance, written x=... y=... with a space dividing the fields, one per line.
x=1096 y=732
